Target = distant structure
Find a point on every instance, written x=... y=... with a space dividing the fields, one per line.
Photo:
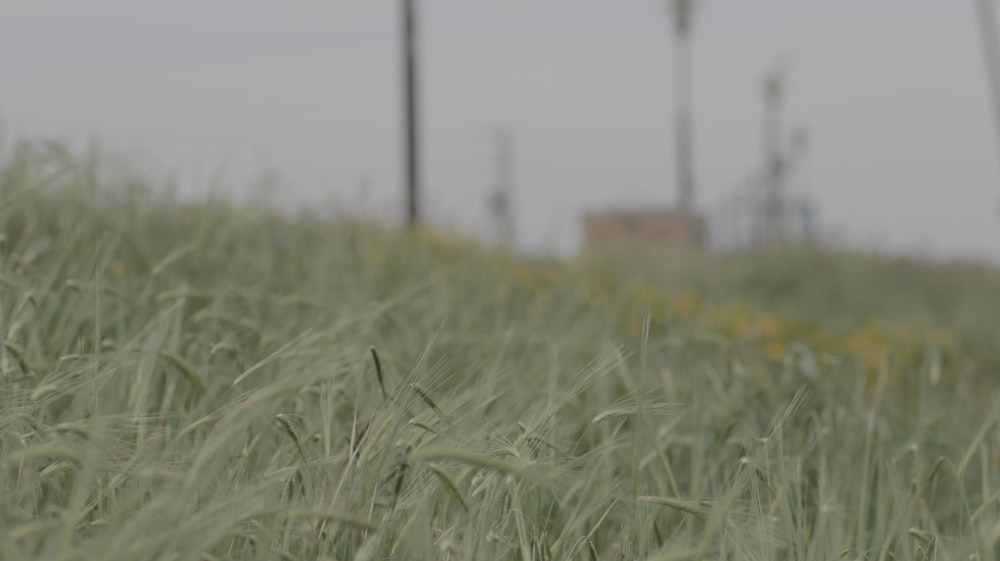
x=411 y=121
x=770 y=210
x=781 y=215
x=684 y=103
x=500 y=201
x=991 y=55
x=647 y=233
x=770 y=229
x=656 y=232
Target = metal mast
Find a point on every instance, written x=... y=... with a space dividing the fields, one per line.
x=501 y=205
x=991 y=54
x=774 y=162
x=684 y=101
x=411 y=124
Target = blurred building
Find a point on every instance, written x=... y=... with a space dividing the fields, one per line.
x=645 y=232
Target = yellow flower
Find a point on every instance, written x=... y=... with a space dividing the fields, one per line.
x=119 y=269
x=776 y=350
x=688 y=303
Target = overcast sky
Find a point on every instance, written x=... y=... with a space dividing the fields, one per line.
x=893 y=92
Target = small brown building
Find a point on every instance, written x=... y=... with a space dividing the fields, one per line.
x=646 y=232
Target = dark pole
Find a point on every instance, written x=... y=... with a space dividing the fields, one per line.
x=411 y=125
x=991 y=55
x=774 y=164
x=501 y=203
x=683 y=100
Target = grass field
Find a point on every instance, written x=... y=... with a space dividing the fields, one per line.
x=200 y=381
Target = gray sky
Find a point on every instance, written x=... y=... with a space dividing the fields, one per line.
x=903 y=154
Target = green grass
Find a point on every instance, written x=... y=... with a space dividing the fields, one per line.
x=841 y=289
x=216 y=381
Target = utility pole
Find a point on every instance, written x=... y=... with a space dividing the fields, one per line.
x=774 y=161
x=501 y=205
x=803 y=206
x=991 y=56
x=411 y=123
x=683 y=101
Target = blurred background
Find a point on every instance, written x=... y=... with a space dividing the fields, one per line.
x=554 y=126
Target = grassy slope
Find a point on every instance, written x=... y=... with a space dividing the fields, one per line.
x=842 y=290
x=198 y=382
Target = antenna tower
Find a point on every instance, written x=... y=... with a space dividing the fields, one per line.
x=501 y=205
x=772 y=230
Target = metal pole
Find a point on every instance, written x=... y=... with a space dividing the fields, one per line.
x=991 y=55
x=411 y=122
x=774 y=227
x=683 y=100
x=501 y=205
x=797 y=160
